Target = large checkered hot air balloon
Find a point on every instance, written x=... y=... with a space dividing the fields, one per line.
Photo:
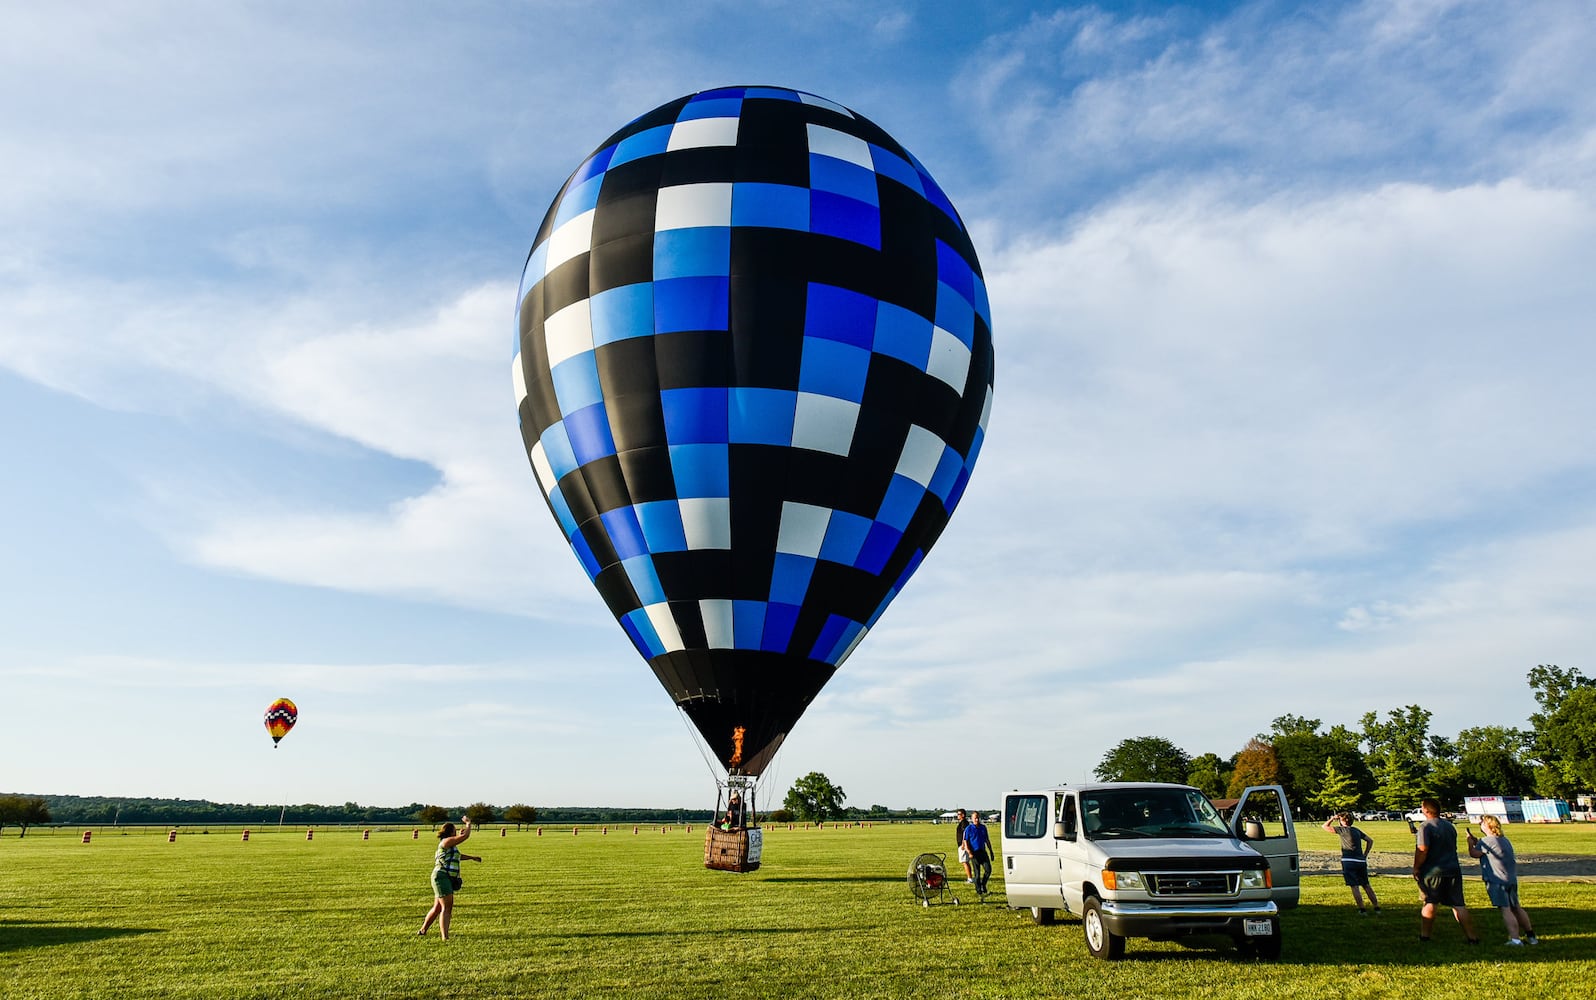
x=280 y=718
x=754 y=371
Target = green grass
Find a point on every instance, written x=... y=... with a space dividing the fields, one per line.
x=584 y=916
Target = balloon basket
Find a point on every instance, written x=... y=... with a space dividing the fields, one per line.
x=733 y=850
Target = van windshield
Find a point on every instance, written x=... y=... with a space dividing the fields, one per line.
x=1149 y=812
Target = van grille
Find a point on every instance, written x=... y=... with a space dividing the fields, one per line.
x=1193 y=883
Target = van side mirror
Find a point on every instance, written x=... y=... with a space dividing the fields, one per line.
x=1063 y=831
x=1253 y=830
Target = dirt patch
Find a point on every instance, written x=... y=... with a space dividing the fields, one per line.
x=1531 y=867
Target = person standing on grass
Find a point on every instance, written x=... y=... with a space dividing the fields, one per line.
x=1436 y=869
x=964 y=852
x=1499 y=867
x=980 y=847
x=446 y=875
x=1355 y=848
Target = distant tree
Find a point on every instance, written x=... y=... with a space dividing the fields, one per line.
x=1144 y=758
x=432 y=815
x=1565 y=730
x=1495 y=772
x=520 y=813
x=1293 y=725
x=782 y=815
x=813 y=798
x=21 y=812
x=1337 y=791
x=1256 y=764
x=1399 y=755
x=878 y=811
x=481 y=813
x=1209 y=774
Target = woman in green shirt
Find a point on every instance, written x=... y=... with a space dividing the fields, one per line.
x=446 y=875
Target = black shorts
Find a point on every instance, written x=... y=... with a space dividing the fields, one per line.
x=1442 y=890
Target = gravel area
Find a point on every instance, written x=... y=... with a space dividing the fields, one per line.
x=1531 y=867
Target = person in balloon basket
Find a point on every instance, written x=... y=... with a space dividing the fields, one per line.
x=1355 y=848
x=1440 y=878
x=964 y=852
x=1499 y=868
x=446 y=875
x=979 y=844
x=734 y=818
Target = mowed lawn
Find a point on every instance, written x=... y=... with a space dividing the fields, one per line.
x=594 y=915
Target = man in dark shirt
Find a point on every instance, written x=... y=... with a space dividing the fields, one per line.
x=1436 y=868
x=964 y=852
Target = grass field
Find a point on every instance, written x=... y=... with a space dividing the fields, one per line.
x=829 y=915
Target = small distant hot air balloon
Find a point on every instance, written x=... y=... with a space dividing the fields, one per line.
x=280 y=718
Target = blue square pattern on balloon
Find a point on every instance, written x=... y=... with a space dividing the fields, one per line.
x=595 y=166
x=983 y=308
x=773 y=206
x=701 y=470
x=562 y=512
x=948 y=469
x=845 y=218
x=955 y=314
x=902 y=499
x=715 y=104
x=762 y=416
x=890 y=164
x=576 y=382
x=827 y=173
x=641 y=631
x=789 y=578
x=955 y=272
x=589 y=429
x=644 y=579
x=577 y=199
x=625 y=534
x=696 y=415
x=779 y=622
x=935 y=196
x=661 y=521
x=585 y=556
x=537 y=265
x=845 y=537
x=835 y=369
x=688 y=253
x=834 y=637
x=556 y=444
x=685 y=304
x=649 y=142
x=878 y=547
x=840 y=314
x=622 y=312
x=748 y=623
x=903 y=334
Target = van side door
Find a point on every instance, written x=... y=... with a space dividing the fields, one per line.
x=1262 y=819
x=1030 y=862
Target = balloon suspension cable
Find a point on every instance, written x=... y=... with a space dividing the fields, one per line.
x=710 y=762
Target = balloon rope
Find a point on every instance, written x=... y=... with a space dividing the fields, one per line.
x=703 y=748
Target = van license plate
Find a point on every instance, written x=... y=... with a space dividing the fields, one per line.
x=1257 y=928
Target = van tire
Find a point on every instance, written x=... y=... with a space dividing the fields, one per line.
x=1100 y=941
x=1043 y=915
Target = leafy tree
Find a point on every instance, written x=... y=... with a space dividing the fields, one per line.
x=1487 y=771
x=1256 y=764
x=1145 y=758
x=481 y=813
x=520 y=813
x=1399 y=755
x=1293 y=725
x=1209 y=774
x=18 y=811
x=432 y=815
x=813 y=798
x=1338 y=791
x=1565 y=729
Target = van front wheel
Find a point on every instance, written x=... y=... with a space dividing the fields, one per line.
x=1100 y=941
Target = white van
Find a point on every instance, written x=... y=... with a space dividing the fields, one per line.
x=1141 y=859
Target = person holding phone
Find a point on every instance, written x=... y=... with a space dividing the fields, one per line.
x=446 y=875
x=1499 y=868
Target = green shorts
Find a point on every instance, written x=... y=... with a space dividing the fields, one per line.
x=441 y=886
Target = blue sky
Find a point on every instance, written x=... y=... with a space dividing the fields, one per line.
x=1293 y=318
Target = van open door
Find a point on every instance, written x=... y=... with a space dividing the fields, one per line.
x=1262 y=818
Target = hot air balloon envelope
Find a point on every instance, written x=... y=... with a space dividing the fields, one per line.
x=754 y=370
x=280 y=718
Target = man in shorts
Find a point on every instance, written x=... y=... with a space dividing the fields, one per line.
x=964 y=852
x=1440 y=877
x=1355 y=848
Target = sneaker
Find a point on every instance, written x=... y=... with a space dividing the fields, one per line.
x=969 y=881
x=1362 y=912
x=1376 y=909
x=1515 y=942
x=1532 y=939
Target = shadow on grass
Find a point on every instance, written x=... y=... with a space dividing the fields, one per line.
x=834 y=878
x=15 y=935
x=715 y=931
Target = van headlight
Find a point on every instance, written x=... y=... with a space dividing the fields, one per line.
x=1123 y=880
x=1255 y=879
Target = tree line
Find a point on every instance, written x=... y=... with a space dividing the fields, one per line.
x=1396 y=760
